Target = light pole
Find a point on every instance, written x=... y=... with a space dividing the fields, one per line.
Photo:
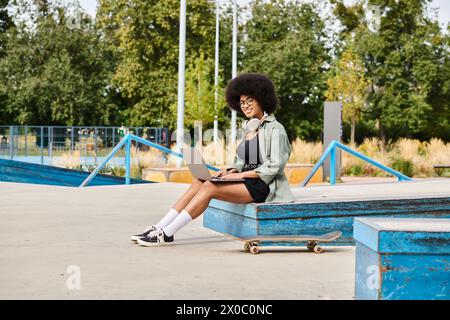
x=181 y=80
x=216 y=79
x=234 y=70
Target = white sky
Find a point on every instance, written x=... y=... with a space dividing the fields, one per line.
x=443 y=7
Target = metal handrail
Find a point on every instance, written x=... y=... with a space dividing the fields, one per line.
x=331 y=151
x=127 y=142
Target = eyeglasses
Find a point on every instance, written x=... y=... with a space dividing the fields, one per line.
x=247 y=103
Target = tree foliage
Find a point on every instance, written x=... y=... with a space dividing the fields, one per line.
x=121 y=68
x=286 y=40
x=145 y=34
x=404 y=60
x=199 y=94
x=349 y=86
x=54 y=74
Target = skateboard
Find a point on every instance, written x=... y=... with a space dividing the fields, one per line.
x=251 y=243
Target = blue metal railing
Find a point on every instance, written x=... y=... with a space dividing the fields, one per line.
x=126 y=141
x=331 y=151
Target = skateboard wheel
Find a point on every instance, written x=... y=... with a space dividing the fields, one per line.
x=254 y=249
x=247 y=246
x=310 y=246
x=318 y=249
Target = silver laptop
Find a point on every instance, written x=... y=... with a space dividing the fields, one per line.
x=198 y=168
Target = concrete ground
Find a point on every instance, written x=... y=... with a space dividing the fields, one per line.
x=44 y=230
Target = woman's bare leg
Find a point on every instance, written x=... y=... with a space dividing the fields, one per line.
x=188 y=195
x=228 y=191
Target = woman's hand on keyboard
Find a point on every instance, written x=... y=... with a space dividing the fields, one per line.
x=234 y=175
x=221 y=173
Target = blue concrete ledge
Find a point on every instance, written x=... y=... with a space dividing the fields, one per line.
x=317 y=217
x=402 y=259
x=24 y=172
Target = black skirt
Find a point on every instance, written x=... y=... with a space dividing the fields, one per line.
x=257 y=188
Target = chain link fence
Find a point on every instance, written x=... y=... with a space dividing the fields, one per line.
x=45 y=144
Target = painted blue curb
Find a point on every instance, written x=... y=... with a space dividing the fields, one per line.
x=24 y=172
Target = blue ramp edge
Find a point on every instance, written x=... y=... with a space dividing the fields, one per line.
x=402 y=259
x=24 y=172
x=241 y=220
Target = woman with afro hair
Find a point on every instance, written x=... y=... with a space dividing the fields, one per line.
x=260 y=159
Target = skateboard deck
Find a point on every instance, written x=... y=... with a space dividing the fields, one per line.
x=251 y=243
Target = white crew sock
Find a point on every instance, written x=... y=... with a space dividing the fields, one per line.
x=168 y=218
x=183 y=219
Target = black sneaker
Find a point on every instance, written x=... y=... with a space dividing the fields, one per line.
x=157 y=240
x=149 y=231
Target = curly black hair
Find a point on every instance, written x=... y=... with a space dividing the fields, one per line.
x=256 y=85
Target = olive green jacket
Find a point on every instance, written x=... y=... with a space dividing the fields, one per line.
x=275 y=150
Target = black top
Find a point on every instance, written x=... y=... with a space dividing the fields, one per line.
x=249 y=151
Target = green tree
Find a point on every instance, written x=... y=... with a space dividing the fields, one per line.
x=5 y=24
x=54 y=72
x=5 y=19
x=145 y=34
x=351 y=16
x=439 y=94
x=349 y=86
x=225 y=39
x=405 y=60
x=199 y=93
x=286 y=41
